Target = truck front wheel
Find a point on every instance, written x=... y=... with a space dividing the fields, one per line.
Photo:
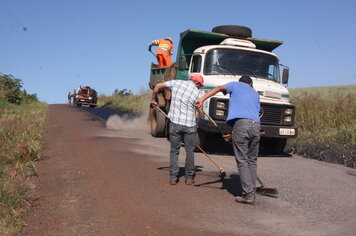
x=274 y=145
x=158 y=123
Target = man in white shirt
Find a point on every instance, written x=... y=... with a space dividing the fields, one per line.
x=183 y=129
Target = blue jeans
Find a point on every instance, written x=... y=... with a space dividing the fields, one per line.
x=182 y=134
x=246 y=139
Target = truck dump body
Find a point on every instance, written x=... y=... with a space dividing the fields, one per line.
x=193 y=39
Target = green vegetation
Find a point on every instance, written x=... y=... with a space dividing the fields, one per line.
x=125 y=101
x=326 y=118
x=22 y=118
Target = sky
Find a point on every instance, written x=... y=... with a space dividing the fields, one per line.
x=54 y=46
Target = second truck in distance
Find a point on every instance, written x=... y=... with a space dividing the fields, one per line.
x=85 y=96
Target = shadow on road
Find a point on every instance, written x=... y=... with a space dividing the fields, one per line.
x=220 y=147
x=231 y=184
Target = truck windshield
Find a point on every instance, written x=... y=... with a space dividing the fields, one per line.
x=239 y=62
x=83 y=91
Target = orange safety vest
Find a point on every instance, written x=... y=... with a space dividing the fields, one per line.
x=165 y=47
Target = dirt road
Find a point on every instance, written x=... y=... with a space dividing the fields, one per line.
x=111 y=178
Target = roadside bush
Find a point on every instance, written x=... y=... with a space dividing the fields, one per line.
x=327 y=127
x=21 y=126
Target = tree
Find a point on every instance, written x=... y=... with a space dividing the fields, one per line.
x=123 y=92
x=10 y=90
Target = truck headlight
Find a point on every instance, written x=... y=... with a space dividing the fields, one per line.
x=220 y=113
x=288 y=111
x=220 y=105
x=287 y=119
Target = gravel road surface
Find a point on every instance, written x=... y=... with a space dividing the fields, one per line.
x=103 y=174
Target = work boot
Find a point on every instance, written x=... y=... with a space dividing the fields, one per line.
x=173 y=182
x=245 y=200
x=189 y=181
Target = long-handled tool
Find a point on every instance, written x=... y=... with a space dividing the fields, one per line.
x=212 y=121
x=221 y=170
x=263 y=189
x=149 y=49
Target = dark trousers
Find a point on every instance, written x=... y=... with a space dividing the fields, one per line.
x=246 y=139
x=182 y=134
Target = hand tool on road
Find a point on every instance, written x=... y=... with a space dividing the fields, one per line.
x=263 y=190
x=266 y=190
x=221 y=170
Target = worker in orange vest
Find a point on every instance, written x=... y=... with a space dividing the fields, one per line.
x=164 y=51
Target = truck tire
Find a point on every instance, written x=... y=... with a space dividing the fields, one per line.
x=158 y=123
x=233 y=30
x=275 y=146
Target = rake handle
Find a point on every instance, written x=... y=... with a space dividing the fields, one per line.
x=212 y=160
x=212 y=121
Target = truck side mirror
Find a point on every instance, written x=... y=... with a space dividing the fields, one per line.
x=285 y=76
x=182 y=64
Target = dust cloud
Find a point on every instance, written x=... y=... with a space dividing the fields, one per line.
x=116 y=122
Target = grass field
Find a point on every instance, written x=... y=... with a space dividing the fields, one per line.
x=326 y=118
x=323 y=92
x=135 y=104
x=21 y=129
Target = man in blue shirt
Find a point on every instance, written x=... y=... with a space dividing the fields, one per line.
x=243 y=117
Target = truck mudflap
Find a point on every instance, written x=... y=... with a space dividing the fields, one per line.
x=268 y=131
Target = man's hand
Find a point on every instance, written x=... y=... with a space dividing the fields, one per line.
x=199 y=104
x=227 y=137
x=153 y=104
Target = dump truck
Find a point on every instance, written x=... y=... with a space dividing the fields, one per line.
x=222 y=56
x=86 y=96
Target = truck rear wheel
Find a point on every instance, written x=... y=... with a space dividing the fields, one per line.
x=233 y=30
x=158 y=123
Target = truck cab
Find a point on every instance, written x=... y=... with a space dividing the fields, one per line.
x=220 y=59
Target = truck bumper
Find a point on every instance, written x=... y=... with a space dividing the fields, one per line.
x=268 y=131
x=87 y=103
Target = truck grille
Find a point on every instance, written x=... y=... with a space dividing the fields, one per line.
x=271 y=114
